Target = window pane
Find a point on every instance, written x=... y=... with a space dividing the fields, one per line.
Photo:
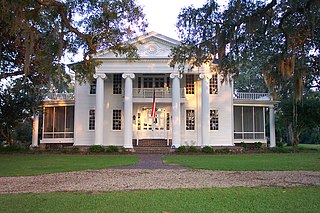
x=92 y=119
x=238 y=119
x=214 y=120
x=258 y=119
x=93 y=86
x=70 y=119
x=116 y=119
x=59 y=119
x=248 y=119
x=214 y=84
x=190 y=120
x=48 y=119
x=189 y=84
x=117 y=84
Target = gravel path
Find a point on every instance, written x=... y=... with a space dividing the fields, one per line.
x=154 y=175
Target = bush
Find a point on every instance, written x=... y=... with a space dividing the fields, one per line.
x=257 y=145
x=181 y=149
x=13 y=148
x=244 y=145
x=96 y=148
x=207 y=149
x=111 y=149
x=192 y=149
x=224 y=150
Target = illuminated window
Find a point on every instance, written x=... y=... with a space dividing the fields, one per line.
x=214 y=120
x=214 y=84
x=189 y=84
x=190 y=119
x=116 y=119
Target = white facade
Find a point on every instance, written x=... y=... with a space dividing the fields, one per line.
x=119 y=113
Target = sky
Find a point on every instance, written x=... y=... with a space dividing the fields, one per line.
x=162 y=14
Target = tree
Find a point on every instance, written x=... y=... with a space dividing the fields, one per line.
x=36 y=34
x=17 y=102
x=280 y=38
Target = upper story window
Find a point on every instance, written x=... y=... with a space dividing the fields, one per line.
x=214 y=84
x=93 y=86
x=189 y=84
x=190 y=119
x=92 y=119
x=117 y=84
x=214 y=120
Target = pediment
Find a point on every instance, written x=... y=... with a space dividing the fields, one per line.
x=151 y=45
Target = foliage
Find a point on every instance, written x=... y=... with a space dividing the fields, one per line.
x=18 y=102
x=35 y=164
x=293 y=199
x=96 y=149
x=257 y=145
x=181 y=149
x=207 y=149
x=278 y=38
x=252 y=162
x=36 y=34
x=192 y=149
x=244 y=145
x=112 y=149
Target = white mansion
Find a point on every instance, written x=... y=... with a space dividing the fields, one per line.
x=193 y=108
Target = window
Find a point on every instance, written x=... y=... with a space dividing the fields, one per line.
x=58 y=122
x=116 y=119
x=189 y=84
x=190 y=120
x=92 y=119
x=168 y=121
x=214 y=120
x=213 y=85
x=93 y=86
x=117 y=84
x=139 y=121
x=249 y=122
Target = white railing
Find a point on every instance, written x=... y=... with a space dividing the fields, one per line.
x=159 y=92
x=252 y=96
x=59 y=96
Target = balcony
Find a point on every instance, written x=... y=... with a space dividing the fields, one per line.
x=252 y=96
x=159 y=92
x=59 y=96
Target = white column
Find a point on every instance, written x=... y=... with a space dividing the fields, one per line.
x=176 y=119
x=272 y=127
x=128 y=112
x=205 y=109
x=99 y=111
x=35 y=129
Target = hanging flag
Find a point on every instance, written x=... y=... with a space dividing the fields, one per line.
x=153 y=108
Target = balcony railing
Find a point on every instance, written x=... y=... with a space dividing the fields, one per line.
x=59 y=96
x=159 y=92
x=252 y=96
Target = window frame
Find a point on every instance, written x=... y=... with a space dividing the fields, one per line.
x=189 y=121
x=214 y=84
x=213 y=119
x=119 y=119
x=91 y=120
x=117 y=84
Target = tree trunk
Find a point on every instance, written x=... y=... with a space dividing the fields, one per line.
x=290 y=141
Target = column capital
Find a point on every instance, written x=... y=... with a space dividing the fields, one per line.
x=205 y=75
x=100 y=75
x=130 y=75
x=176 y=75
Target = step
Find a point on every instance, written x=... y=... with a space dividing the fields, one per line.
x=153 y=150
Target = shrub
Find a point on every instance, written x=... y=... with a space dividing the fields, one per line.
x=192 y=149
x=244 y=145
x=13 y=148
x=112 y=149
x=181 y=149
x=224 y=150
x=96 y=148
x=257 y=145
x=207 y=149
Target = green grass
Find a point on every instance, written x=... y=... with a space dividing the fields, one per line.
x=250 y=162
x=303 y=199
x=18 y=165
x=310 y=146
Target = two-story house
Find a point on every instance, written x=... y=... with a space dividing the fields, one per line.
x=149 y=103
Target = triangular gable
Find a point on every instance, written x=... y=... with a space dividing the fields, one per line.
x=150 y=45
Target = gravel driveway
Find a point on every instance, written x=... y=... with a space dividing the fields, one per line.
x=154 y=176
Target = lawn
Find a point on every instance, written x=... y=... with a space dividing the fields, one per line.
x=249 y=162
x=35 y=164
x=310 y=146
x=303 y=199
